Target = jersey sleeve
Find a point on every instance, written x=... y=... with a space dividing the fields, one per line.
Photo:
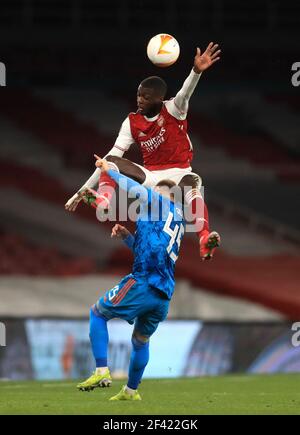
x=124 y=139
x=129 y=241
x=178 y=106
x=92 y=181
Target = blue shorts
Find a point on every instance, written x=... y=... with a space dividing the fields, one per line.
x=136 y=302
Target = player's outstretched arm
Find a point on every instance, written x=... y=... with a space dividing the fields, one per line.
x=73 y=202
x=122 y=232
x=117 y=151
x=178 y=107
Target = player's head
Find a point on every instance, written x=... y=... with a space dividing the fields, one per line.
x=166 y=188
x=151 y=93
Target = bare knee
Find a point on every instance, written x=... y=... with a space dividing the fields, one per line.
x=191 y=181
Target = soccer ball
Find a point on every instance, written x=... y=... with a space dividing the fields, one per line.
x=163 y=50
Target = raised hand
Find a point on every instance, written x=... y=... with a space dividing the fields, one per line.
x=119 y=231
x=207 y=59
x=101 y=163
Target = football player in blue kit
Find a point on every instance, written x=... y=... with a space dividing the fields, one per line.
x=142 y=297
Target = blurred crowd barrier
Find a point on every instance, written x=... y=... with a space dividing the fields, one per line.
x=60 y=349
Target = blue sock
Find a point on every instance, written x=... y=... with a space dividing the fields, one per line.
x=99 y=338
x=138 y=361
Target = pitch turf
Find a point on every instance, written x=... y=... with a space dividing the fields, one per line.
x=278 y=394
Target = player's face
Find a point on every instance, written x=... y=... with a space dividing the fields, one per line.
x=148 y=101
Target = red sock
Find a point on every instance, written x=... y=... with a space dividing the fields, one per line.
x=106 y=189
x=199 y=211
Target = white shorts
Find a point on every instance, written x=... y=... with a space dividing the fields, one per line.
x=174 y=174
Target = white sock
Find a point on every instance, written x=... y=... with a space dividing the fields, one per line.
x=101 y=370
x=129 y=390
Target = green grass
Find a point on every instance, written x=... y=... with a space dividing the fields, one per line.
x=278 y=394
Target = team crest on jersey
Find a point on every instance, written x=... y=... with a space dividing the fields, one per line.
x=161 y=121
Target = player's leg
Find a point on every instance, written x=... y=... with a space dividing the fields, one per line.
x=123 y=302
x=115 y=303
x=99 y=342
x=128 y=168
x=145 y=325
x=198 y=211
x=107 y=185
x=138 y=361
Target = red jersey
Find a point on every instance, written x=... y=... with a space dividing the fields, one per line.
x=164 y=142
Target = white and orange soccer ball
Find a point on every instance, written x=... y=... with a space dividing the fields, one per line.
x=163 y=50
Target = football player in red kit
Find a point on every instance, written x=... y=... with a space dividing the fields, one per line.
x=159 y=127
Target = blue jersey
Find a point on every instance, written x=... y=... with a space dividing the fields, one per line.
x=159 y=231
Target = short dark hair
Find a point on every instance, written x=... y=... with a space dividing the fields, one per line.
x=177 y=191
x=167 y=183
x=156 y=83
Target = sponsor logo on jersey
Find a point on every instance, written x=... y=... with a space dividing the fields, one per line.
x=153 y=143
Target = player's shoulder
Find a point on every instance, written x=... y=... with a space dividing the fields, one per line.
x=173 y=111
x=137 y=113
x=168 y=103
x=135 y=118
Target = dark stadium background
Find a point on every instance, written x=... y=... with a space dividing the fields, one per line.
x=72 y=69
